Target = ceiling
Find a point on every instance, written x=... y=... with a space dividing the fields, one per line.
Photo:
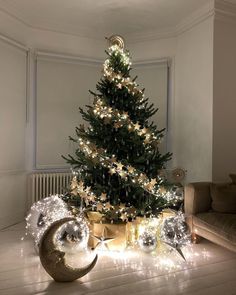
x=96 y=19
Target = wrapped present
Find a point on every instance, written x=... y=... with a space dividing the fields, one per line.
x=94 y=216
x=168 y=213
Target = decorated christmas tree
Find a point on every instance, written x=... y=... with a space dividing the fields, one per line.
x=117 y=165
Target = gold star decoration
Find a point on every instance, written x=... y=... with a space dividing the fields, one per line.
x=99 y=207
x=92 y=198
x=150 y=185
x=123 y=217
x=130 y=128
x=162 y=190
x=80 y=185
x=112 y=171
x=136 y=126
x=119 y=85
x=118 y=125
x=141 y=177
x=125 y=114
x=147 y=140
x=153 y=181
x=144 y=130
x=74 y=183
x=122 y=206
x=88 y=189
x=119 y=166
x=113 y=159
x=122 y=174
x=130 y=169
x=83 y=195
x=108 y=205
x=103 y=197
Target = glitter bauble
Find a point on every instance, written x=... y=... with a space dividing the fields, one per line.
x=43 y=213
x=73 y=236
x=147 y=241
x=175 y=231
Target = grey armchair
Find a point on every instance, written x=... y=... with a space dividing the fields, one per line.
x=217 y=227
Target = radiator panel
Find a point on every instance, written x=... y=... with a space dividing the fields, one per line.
x=42 y=185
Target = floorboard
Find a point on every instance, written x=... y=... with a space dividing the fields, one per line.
x=208 y=269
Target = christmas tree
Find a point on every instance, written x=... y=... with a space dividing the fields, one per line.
x=117 y=163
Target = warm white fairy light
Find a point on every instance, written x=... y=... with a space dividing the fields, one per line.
x=120 y=119
x=73 y=236
x=118 y=78
x=43 y=213
x=128 y=173
x=175 y=232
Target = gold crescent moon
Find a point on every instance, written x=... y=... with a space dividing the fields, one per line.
x=53 y=260
x=116 y=40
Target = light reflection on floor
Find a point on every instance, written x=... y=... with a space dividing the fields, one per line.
x=207 y=266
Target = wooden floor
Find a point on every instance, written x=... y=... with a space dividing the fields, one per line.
x=209 y=269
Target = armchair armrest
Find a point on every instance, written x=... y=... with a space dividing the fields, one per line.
x=197 y=198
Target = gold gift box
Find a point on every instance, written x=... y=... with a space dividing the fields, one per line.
x=123 y=235
x=166 y=213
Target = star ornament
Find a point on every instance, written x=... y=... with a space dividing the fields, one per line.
x=122 y=174
x=119 y=166
x=136 y=126
x=102 y=240
x=112 y=171
x=74 y=183
x=103 y=197
x=153 y=181
x=131 y=169
x=113 y=159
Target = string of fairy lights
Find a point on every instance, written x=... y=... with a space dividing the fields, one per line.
x=121 y=119
x=99 y=155
x=172 y=230
x=118 y=78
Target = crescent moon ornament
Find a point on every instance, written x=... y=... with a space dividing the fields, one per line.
x=53 y=260
x=116 y=40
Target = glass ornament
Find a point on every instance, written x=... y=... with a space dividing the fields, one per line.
x=147 y=241
x=43 y=213
x=73 y=236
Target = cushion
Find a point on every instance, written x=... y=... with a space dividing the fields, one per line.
x=220 y=224
x=233 y=178
x=223 y=198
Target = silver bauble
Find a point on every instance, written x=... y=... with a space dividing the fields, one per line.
x=43 y=213
x=73 y=236
x=175 y=231
x=148 y=241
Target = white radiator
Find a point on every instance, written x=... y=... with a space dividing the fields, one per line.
x=43 y=184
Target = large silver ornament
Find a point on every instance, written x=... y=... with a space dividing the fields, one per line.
x=148 y=241
x=175 y=232
x=43 y=213
x=53 y=260
x=73 y=236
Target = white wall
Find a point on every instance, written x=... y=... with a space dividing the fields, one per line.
x=12 y=133
x=224 y=111
x=192 y=145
